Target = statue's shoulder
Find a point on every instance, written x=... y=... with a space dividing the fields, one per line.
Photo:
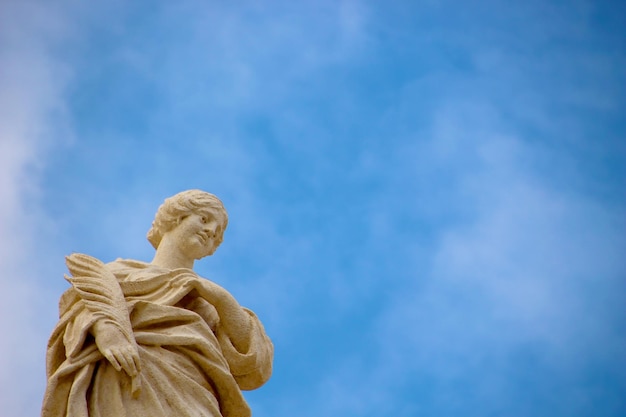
x=133 y=270
x=124 y=267
x=122 y=264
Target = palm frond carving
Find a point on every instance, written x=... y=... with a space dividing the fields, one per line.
x=99 y=290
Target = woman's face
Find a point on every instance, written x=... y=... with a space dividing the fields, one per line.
x=199 y=234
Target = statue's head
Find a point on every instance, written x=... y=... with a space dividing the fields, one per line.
x=182 y=205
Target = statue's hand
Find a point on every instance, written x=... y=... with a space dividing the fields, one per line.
x=116 y=348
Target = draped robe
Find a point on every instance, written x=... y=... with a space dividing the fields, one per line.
x=189 y=367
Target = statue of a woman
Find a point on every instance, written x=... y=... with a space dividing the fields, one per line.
x=155 y=339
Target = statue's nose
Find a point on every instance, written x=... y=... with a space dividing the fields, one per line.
x=210 y=229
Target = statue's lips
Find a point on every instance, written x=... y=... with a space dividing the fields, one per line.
x=204 y=237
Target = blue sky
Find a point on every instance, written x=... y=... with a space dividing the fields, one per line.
x=426 y=199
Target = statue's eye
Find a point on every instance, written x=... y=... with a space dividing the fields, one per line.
x=204 y=219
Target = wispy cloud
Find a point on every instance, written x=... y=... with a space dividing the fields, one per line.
x=519 y=300
x=32 y=122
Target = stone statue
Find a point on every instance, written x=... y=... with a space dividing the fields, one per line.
x=155 y=339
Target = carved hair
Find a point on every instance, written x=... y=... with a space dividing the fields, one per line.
x=177 y=207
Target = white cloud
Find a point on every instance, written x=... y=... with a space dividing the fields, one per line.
x=225 y=56
x=31 y=122
x=524 y=267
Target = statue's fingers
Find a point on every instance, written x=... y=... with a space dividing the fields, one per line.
x=126 y=364
x=132 y=365
x=132 y=357
x=112 y=359
x=137 y=361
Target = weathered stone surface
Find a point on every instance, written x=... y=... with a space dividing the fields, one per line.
x=155 y=339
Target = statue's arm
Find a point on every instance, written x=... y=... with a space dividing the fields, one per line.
x=233 y=319
x=243 y=340
x=99 y=290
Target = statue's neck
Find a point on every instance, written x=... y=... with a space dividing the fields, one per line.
x=168 y=255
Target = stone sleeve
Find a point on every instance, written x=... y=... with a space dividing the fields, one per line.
x=253 y=368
